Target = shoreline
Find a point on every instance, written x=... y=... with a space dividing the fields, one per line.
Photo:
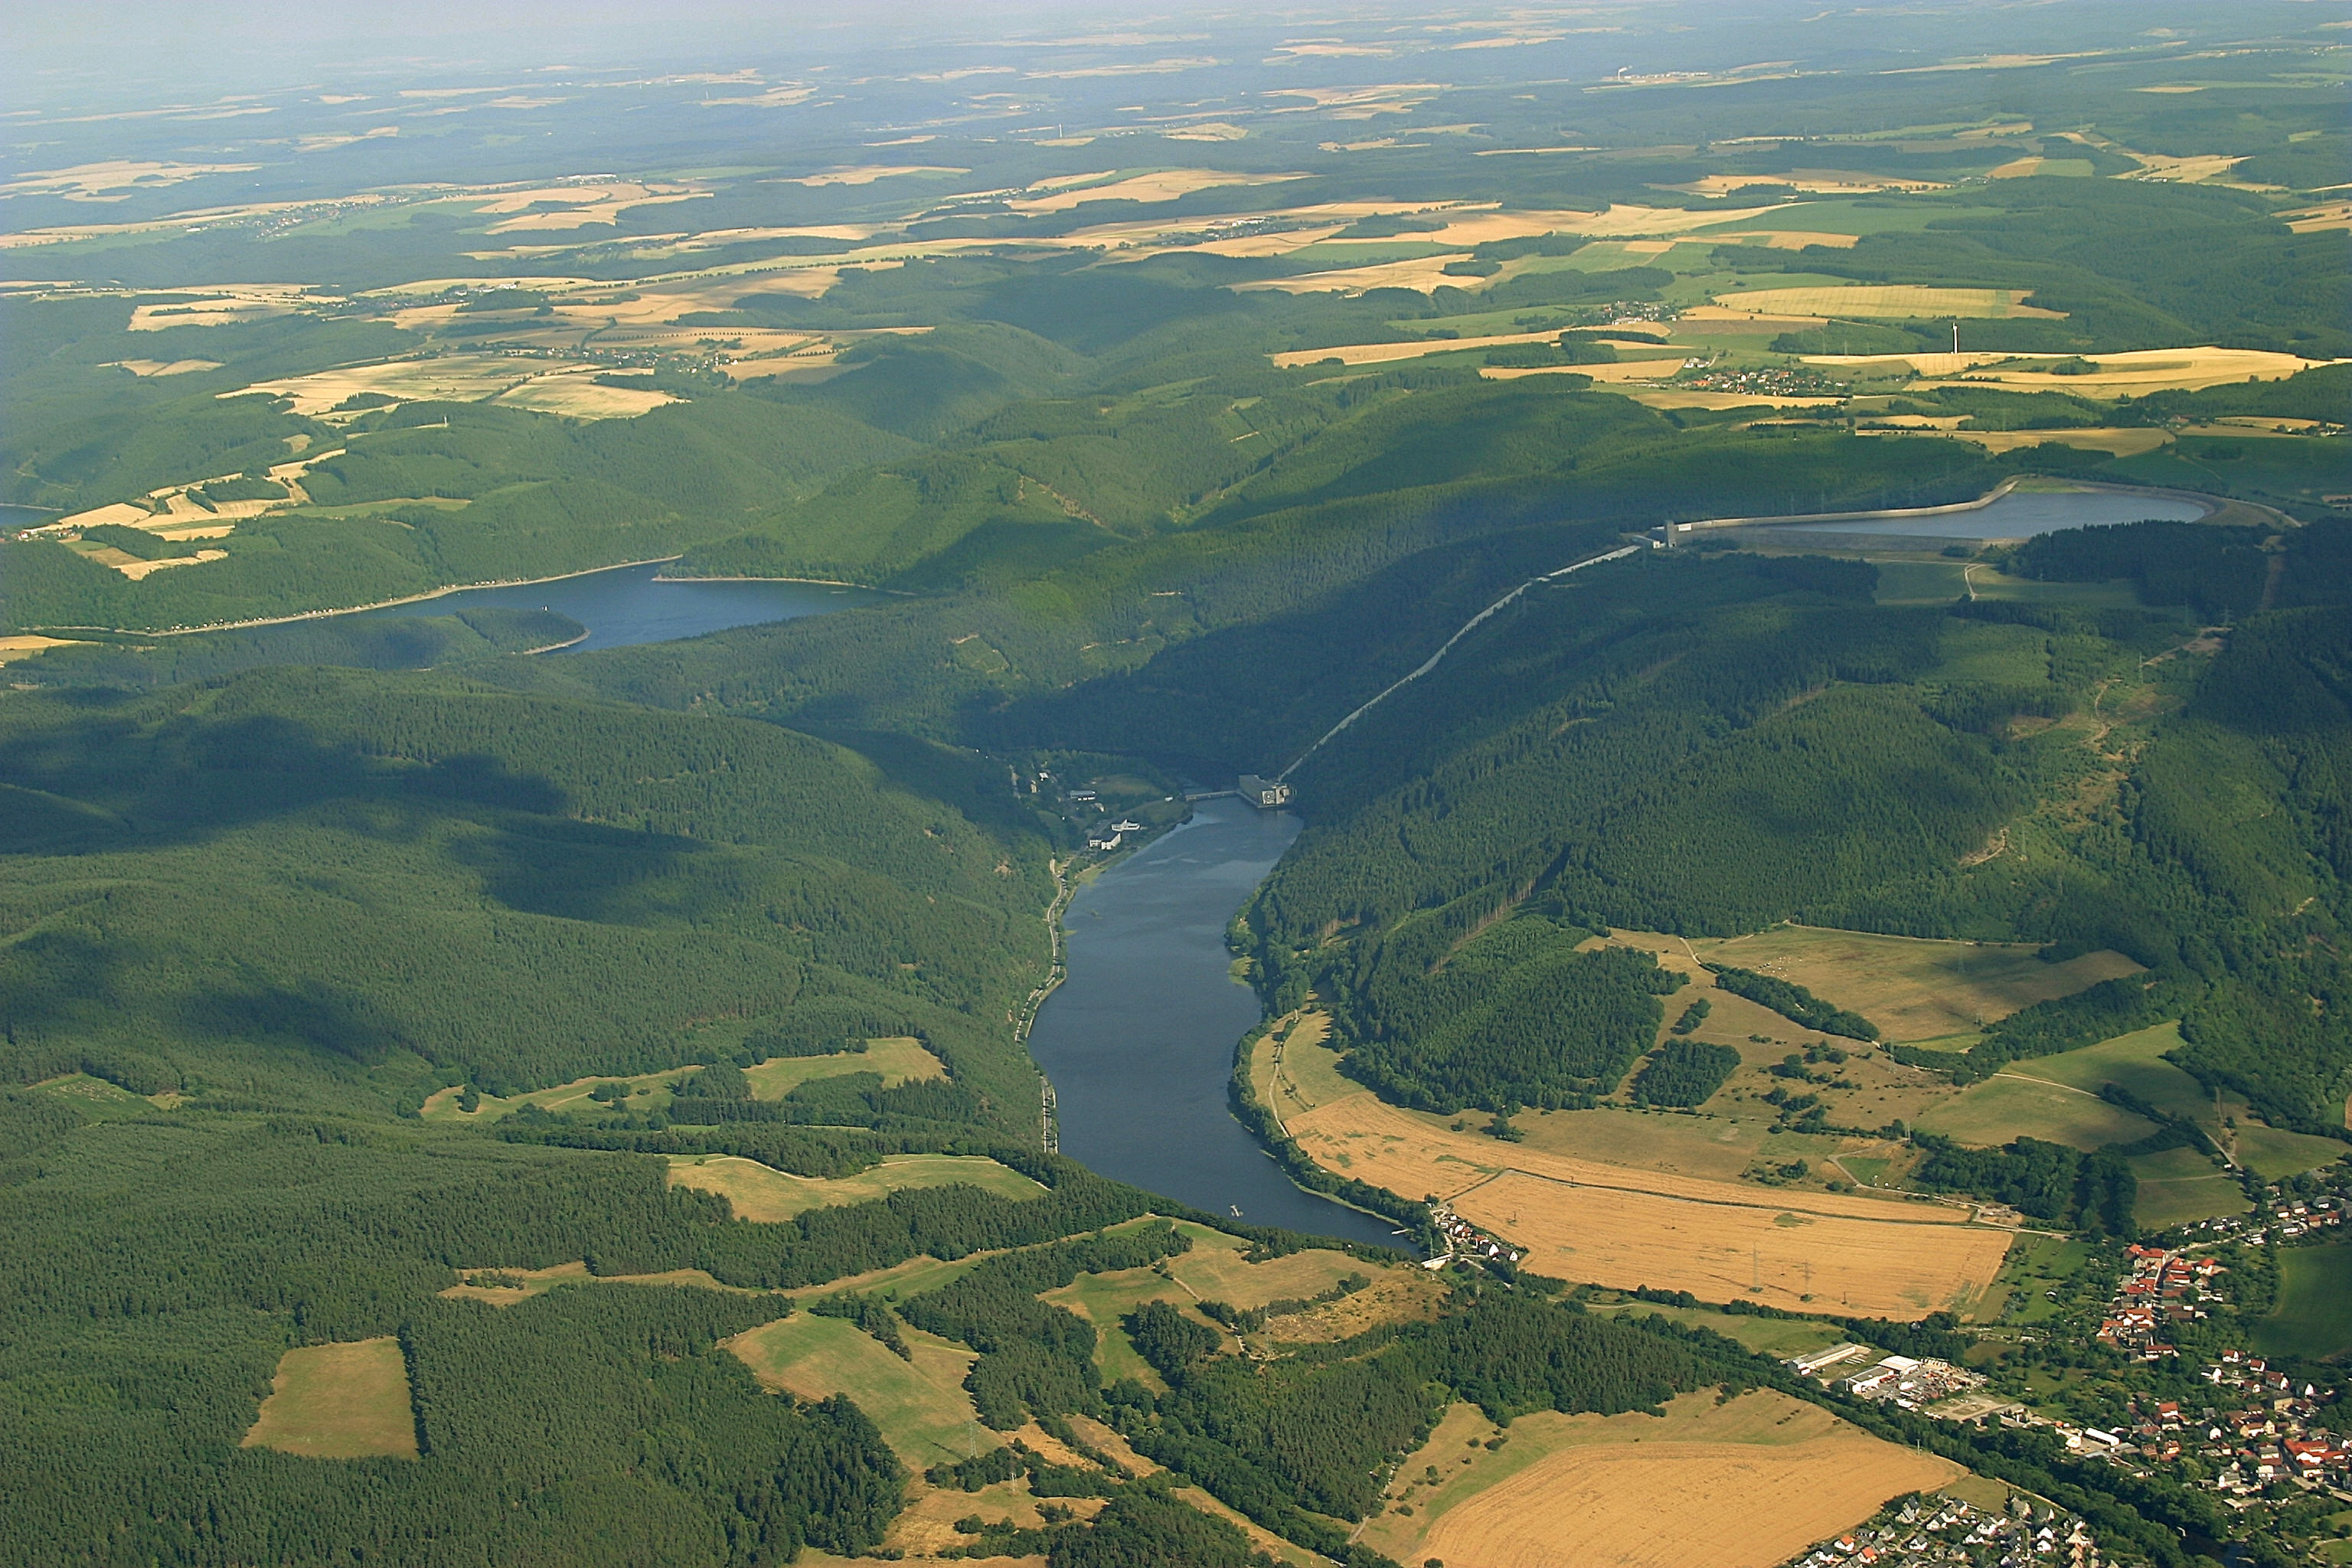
x=2214 y=505
x=378 y=605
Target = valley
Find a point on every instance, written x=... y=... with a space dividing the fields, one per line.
x=1410 y=787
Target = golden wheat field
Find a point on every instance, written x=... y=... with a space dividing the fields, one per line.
x=1740 y=1484
x=1623 y=1226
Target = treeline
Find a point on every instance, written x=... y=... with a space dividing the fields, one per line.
x=1794 y=1002
x=420 y=641
x=2048 y=1181
x=1316 y=1431
x=2220 y=573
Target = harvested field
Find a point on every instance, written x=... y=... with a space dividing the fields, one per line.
x=924 y=1413
x=1888 y=300
x=1911 y=988
x=133 y=567
x=1787 y=1258
x=1425 y=274
x=1409 y=1152
x=2326 y=215
x=15 y=648
x=582 y=395
x=459 y=378
x=338 y=1401
x=2119 y=374
x=2122 y=443
x=1742 y=1484
x=757 y=1192
x=2008 y=1105
x=1161 y=185
x=146 y=369
x=1382 y=353
x=900 y=1059
x=866 y=174
x=1625 y=1227
x=1816 y=182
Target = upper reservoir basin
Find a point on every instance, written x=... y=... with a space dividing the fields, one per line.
x=2020 y=514
x=624 y=605
x=1139 y=1040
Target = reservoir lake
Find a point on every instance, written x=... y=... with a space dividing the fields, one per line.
x=626 y=605
x=2021 y=514
x=1139 y=1041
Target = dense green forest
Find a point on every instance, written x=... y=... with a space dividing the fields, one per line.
x=315 y=883
x=1615 y=754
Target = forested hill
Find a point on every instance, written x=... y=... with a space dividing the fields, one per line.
x=302 y=884
x=1711 y=746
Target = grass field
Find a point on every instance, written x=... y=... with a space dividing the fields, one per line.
x=506 y=1287
x=2006 y=1107
x=1740 y=1484
x=899 y=1059
x=761 y=1193
x=1216 y=1270
x=2179 y=1186
x=338 y=1401
x=2135 y=1062
x=924 y=1413
x=1914 y=989
x=2036 y=1266
x=2313 y=1315
x=2272 y=1154
x=1776 y=1337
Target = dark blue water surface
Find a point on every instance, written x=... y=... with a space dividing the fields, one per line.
x=623 y=606
x=13 y=518
x=1139 y=1039
x=2021 y=514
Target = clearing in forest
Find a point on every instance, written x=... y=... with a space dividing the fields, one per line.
x=511 y=1286
x=338 y=1401
x=762 y=1193
x=1913 y=988
x=1742 y=1483
x=920 y=1405
x=1218 y=1269
x=900 y=1059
